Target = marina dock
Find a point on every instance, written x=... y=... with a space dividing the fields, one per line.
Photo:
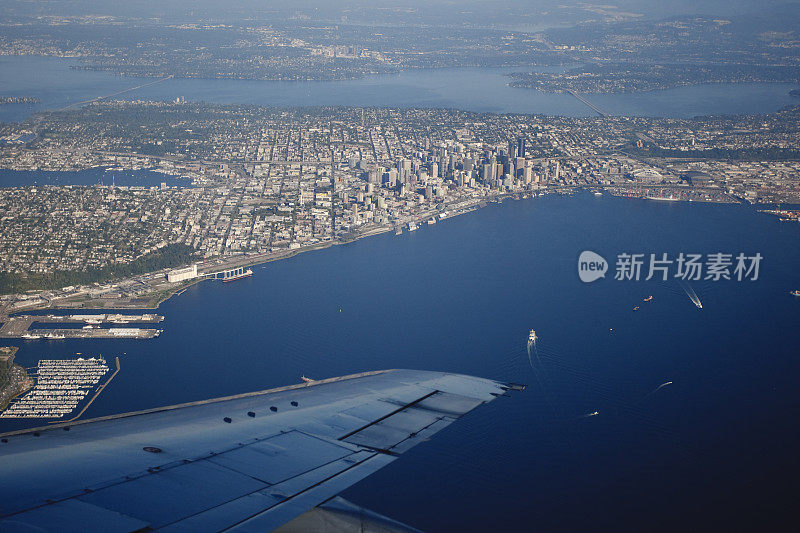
x=60 y=386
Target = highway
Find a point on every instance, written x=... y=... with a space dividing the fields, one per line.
x=98 y=98
x=588 y=103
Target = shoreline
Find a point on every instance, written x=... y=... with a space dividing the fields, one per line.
x=159 y=297
x=156 y=298
x=18 y=380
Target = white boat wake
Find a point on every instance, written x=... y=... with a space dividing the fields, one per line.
x=531 y=348
x=658 y=388
x=691 y=294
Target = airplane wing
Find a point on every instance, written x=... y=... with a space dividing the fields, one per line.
x=250 y=462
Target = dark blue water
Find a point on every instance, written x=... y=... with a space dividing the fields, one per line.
x=717 y=448
x=92 y=176
x=472 y=89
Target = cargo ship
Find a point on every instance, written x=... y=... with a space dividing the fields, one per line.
x=245 y=274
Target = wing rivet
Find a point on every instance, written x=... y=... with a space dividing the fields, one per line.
x=152 y=449
x=294 y=404
x=251 y=414
x=273 y=409
x=227 y=420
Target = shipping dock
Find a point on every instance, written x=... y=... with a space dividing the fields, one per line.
x=83 y=327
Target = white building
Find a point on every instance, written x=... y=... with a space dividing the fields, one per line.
x=181 y=274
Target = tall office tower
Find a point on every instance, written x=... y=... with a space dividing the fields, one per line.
x=521 y=147
x=558 y=170
x=520 y=165
x=434 y=170
x=512 y=149
x=487 y=172
x=527 y=174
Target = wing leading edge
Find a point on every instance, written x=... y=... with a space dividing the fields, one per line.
x=247 y=462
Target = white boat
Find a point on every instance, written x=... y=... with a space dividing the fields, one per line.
x=532 y=338
x=662 y=198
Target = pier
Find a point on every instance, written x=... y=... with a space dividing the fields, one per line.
x=20 y=327
x=229 y=274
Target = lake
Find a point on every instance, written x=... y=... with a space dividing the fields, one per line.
x=474 y=89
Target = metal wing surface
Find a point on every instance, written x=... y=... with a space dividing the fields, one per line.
x=249 y=462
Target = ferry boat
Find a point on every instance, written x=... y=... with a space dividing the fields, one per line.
x=648 y=299
x=246 y=274
x=636 y=308
x=795 y=293
x=412 y=226
x=662 y=198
